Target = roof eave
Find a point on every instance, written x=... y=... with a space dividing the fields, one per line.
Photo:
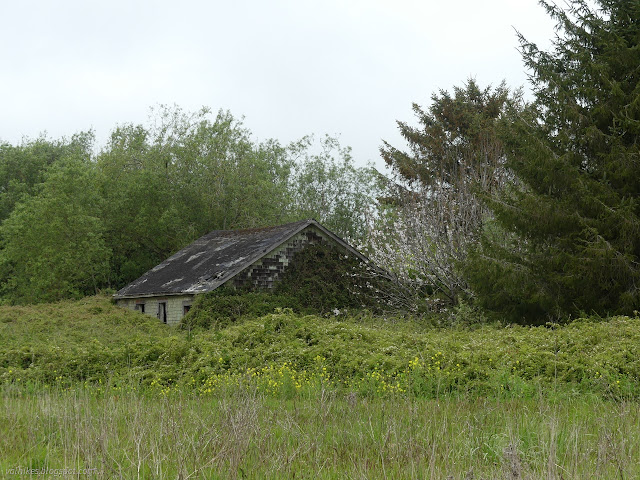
x=116 y=296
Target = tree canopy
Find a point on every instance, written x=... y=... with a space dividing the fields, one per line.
x=532 y=210
x=455 y=156
x=75 y=221
x=574 y=220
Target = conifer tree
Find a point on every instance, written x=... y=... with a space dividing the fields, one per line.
x=454 y=156
x=573 y=223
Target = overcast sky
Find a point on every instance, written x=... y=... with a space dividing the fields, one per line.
x=348 y=68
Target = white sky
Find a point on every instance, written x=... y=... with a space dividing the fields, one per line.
x=349 y=68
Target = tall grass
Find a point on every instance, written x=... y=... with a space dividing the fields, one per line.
x=86 y=385
x=244 y=434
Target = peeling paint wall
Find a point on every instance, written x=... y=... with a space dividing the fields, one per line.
x=264 y=272
x=175 y=306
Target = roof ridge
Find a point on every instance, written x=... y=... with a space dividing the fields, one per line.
x=262 y=229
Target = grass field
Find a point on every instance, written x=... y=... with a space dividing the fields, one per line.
x=245 y=434
x=87 y=385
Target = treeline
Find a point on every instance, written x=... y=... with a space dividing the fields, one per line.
x=75 y=221
x=530 y=209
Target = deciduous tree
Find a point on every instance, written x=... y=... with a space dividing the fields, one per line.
x=328 y=186
x=52 y=243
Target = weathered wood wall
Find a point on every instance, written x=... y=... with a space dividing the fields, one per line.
x=175 y=306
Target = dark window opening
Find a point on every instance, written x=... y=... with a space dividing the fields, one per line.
x=162 y=311
x=185 y=309
x=139 y=307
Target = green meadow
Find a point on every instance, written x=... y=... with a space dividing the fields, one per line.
x=85 y=384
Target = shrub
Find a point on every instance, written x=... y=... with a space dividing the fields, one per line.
x=225 y=306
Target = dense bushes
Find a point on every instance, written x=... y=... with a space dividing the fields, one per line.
x=225 y=306
x=94 y=342
x=323 y=278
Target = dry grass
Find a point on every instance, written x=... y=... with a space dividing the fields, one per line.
x=246 y=435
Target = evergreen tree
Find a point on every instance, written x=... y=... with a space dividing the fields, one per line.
x=455 y=155
x=456 y=142
x=573 y=223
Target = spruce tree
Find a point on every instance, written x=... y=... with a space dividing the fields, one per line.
x=568 y=235
x=434 y=211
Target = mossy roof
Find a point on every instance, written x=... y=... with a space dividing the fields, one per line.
x=215 y=258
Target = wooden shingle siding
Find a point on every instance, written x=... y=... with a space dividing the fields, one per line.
x=266 y=271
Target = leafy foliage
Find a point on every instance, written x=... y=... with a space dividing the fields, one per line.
x=52 y=241
x=23 y=167
x=186 y=175
x=51 y=232
x=76 y=222
x=94 y=341
x=225 y=306
x=328 y=187
x=325 y=278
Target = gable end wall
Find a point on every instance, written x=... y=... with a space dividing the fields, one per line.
x=265 y=272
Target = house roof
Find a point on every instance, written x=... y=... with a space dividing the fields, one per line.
x=215 y=258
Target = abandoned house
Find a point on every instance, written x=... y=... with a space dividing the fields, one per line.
x=252 y=257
